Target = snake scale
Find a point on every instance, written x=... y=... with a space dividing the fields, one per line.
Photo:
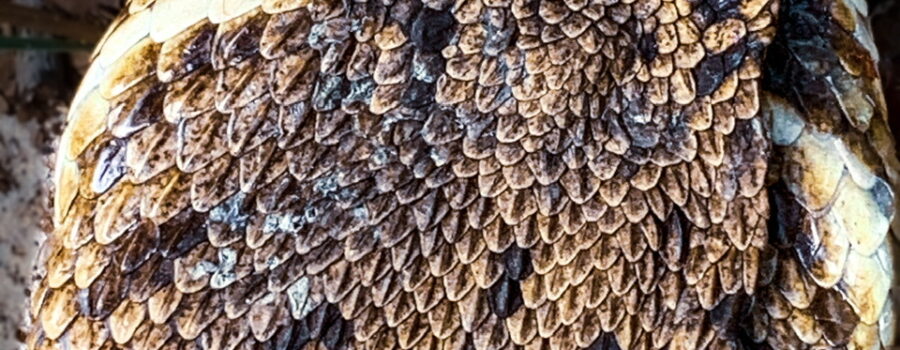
x=475 y=174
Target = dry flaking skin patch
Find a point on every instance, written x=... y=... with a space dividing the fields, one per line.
x=474 y=174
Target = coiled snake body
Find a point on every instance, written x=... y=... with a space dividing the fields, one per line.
x=475 y=174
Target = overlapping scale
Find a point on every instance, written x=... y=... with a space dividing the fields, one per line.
x=478 y=174
x=825 y=269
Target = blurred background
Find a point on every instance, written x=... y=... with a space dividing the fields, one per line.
x=45 y=46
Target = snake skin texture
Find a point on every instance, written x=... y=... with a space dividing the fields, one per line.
x=475 y=174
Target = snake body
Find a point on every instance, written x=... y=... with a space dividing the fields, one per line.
x=475 y=174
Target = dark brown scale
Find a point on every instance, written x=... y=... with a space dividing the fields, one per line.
x=675 y=243
x=197 y=312
x=648 y=47
x=431 y=29
x=835 y=316
x=110 y=166
x=240 y=295
x=181 y=234
x=192 y=54
x=803 y=40
x=238 y=44
x=149 y=278
x=137 y=111
x=704 y=14
x=605 y=342
x=709 y=75
x=735 y=55
x=139 y=244
x=787 y=220
x=506 y=295
x=104 y=295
